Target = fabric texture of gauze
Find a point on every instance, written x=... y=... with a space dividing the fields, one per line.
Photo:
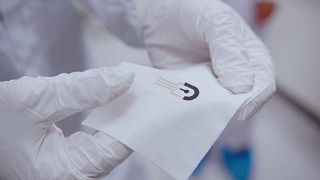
x=171 y=117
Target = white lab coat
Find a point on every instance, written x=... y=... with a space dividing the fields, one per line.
x=45 y=37
x=40 y=38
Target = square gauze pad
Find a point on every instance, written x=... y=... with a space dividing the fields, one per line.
x=171 y=117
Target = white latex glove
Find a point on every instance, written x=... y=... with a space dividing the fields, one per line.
x=32 y=147
x=179 y=33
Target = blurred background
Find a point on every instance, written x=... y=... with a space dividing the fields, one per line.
x=281 y=142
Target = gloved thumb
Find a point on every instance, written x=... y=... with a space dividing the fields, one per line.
x=230 y=60
x=52 y=99
x=95 y=156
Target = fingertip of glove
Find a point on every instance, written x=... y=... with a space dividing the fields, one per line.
x=121 y=75
x=107 y=140
x=237 y=83
x=111 y=145
x=119 y=80
x=241 y=89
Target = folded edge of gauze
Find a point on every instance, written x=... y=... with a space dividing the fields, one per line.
x=154 y=118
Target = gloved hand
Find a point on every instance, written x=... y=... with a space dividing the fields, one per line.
x=179 y=33
x=32 y=147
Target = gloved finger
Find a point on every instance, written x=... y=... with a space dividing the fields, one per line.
x=222 y=30
x=51 y=99
x=265 y=83
x=95 y=156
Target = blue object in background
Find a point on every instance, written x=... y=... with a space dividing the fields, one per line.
x=201 y=165
x=238 y=163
